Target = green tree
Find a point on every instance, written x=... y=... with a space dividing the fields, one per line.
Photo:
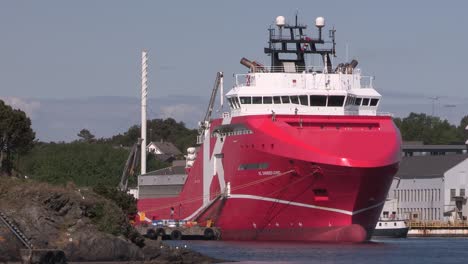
x=429 y=129
x=85 y=135
x=462 y=132
x=16 y=135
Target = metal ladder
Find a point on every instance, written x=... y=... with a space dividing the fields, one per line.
x=16 y=231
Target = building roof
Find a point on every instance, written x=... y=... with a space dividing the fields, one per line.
x=166 y=148
x=178 y=169
x=428 y=166
x=414 y=146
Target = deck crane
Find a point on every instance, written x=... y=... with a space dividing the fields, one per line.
x=205 y=124
x=130 y=166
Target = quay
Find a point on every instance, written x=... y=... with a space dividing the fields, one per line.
x=438 y=229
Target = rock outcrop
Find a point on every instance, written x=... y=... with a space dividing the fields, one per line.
x=86 y=226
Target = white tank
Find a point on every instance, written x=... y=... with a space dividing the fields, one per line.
x=191 y=156
x=191 y=150
x=280 y=21
x=320 y=22
x=189 y=163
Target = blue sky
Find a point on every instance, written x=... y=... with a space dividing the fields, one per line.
x=53 y=53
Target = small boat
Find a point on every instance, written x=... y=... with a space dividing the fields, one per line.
x=395 y=228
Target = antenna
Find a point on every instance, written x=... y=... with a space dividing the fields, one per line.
x=347 y=52
x=297 y=12
x=434 y=99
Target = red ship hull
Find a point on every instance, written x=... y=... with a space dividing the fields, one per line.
x=296 y=178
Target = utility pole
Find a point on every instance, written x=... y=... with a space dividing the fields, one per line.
x=434 y=99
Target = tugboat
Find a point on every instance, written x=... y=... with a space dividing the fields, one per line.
x=302 y=155
x=394 y=228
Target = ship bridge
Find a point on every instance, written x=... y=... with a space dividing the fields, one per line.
x=289 y=86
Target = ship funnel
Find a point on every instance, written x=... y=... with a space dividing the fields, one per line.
x=247 y=63
x=253 y=65
x=350 y=66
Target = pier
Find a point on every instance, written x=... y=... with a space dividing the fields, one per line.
x=438 y=229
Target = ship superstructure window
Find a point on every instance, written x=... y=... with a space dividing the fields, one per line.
x=295 y=99
x=373 y=102
x=257 y=100
x=230 y=102
x=365 y=101
x=350 y=100
x=358 y=101
x=318 y=100
x=254 y=166
x=246 y=100
x=336 y=100
x=276 y=99
x=285 y=99
x=303 y=100
x=236 y=102
x=267 y=99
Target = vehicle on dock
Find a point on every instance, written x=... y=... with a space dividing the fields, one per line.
x=178 y=230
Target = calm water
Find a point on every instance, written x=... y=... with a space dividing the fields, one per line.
x=410 y=250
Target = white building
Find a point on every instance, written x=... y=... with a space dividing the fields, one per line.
x=431 y=184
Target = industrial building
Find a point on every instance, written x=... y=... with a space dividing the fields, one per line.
x=431 y=184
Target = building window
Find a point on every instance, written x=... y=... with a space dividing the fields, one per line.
x=452 y=194
x=462 y=192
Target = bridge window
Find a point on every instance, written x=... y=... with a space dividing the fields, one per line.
x=285 y=99
x=350 y=100
x=230 y=102
x=295 y=99
x=373 y=102
x=236 y=102
x=365 y=101
x=257 y=100
x=276 y=99
x=303 y=99
x=335 y=100
x=318 y=100
x=246 y=100
x=358 y=101
x=267 y=99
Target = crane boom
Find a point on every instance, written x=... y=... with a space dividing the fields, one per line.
x=130 y=166
x=218 y=82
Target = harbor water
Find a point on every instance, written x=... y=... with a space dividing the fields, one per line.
x=410 y=250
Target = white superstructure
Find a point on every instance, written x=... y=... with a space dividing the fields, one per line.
x=289 y=86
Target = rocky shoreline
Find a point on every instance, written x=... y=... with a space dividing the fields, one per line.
x=76 y=222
